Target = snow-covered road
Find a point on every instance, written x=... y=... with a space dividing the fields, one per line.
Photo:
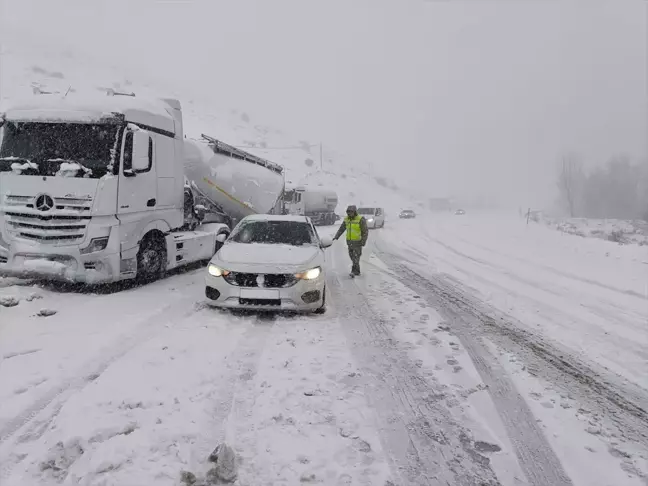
x=438 y=366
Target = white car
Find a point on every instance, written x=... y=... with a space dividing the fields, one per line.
x=375 y=217
x=269 y=263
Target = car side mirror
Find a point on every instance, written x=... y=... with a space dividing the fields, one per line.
x=325 y=242
x=142 y=151
x=221 y=238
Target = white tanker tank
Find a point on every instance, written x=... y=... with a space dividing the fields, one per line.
x=317 y=204
x=231 y=182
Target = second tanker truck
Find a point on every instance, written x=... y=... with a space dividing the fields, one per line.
x=318 y=204
x=103 y=189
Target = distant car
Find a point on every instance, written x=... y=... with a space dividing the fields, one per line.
x=269 y=262
x=460 y=212
x=407 y=214
x=375 y=216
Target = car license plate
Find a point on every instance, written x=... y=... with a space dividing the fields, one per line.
x=259 y=294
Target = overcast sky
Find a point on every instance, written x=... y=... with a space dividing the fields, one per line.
x=462 y=97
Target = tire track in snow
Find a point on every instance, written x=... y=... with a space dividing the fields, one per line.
x=536 y=457
x=469 y=324
x=246 y=357
x=543 y=266
x=550 y=311
x=424 y=443
x=56 y=397
x=607 y=387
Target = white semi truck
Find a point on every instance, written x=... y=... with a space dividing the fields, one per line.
x=317 y=204
x=106 y=189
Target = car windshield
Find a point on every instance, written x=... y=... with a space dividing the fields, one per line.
x=58 y=149
x=367 y=211
x=294 y=233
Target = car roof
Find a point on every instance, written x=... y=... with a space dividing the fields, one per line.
x=276 y=217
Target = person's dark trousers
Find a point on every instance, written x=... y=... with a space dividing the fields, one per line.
x=355 y=252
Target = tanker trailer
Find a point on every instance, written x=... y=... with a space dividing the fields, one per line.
x=317 y=204
x=230 y=183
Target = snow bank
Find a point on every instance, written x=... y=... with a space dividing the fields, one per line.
x=623 y=232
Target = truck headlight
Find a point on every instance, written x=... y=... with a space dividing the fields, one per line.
x=96 y=244
x=215 y=271
x=311 y=274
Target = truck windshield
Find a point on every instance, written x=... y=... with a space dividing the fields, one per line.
x=367 y=211
x=58 y=149
x=293 y=233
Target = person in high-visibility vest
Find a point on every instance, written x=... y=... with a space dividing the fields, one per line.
x=356 y=236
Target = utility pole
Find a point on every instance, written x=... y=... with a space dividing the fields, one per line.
x=321 y=159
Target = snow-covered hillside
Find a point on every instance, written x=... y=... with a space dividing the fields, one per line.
x=25 y=68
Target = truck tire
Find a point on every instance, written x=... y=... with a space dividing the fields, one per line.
x=151 y=257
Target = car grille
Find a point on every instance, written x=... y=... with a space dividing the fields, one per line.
x=268 y=281
x=272 y=302
x=65 y=223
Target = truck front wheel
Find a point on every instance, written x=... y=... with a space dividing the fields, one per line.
x=151 y=258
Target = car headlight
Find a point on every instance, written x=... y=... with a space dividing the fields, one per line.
x=370 y=220
x=215 y=271
x=96 y=244
x=311 y=274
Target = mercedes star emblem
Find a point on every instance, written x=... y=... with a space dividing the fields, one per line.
x=44 y=202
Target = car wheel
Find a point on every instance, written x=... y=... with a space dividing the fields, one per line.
x=322 y=309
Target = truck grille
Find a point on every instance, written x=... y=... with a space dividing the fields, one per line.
x=65 y=223
x=268 y=281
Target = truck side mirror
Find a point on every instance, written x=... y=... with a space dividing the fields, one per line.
x=142 y=151
x=200 y=211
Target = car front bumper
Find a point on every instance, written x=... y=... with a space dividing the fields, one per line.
x=303 y=296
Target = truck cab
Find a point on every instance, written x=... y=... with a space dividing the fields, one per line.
x=91 y=190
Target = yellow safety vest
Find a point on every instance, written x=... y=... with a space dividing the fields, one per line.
x=353 y=231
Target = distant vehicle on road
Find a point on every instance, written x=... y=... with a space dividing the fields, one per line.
x=375 y=217
x=460 y=212
x=269 y=262
x=407 y=214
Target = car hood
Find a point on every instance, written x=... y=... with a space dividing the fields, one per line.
x=265 y=257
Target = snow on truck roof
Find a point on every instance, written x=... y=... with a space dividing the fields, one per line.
x=93 y=108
